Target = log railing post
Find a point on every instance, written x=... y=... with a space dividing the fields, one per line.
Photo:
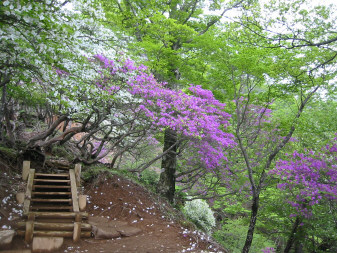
x=78 y=168
x=25 y=170
x=28 y=195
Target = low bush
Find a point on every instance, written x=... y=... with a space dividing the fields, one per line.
x=199 y=212
x=90 y=173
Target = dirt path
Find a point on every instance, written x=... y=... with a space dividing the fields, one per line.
x=118 y=199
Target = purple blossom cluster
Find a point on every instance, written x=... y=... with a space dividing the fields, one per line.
x=61 y=72
x=268 y=250
x=99 y=149
x=312 y=176
x=199 y=117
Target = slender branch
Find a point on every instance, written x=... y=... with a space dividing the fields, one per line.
x=49 y=131
x=211 y=23
x=144 y=166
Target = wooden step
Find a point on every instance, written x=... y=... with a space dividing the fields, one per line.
x=52 y=181
x=57 y=214
x=51 y=175
x=51 y=193
x=52 y=200
x=51 y=186
x=55 y=220
x=39 y=207
x=16 y=251
x=85 y=234
x=55 y=226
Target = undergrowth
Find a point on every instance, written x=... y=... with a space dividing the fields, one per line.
x=233 y=234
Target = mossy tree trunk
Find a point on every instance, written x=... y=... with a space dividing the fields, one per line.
x=166 y=184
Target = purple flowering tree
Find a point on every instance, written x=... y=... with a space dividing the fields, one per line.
x=194 y=116
x=309 y=178
x=259 y=141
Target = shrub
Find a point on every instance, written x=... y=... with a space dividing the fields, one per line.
x=149 y=177
x=92 y=172
x=233 y=235
x=199 y=212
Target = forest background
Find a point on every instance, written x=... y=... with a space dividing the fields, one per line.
x=233 y=102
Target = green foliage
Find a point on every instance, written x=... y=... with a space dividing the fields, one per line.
x=61 y=151
x=149 y=177
x=8 y=153
x=317 y=124
x=232 y=236
x=35 y=98
x=92 y=172
x=199 y=212
x=319 y=234
x=314 y=234
x=170 y=34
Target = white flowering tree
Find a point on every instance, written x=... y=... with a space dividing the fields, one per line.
x=46 y=64
x=41 y=42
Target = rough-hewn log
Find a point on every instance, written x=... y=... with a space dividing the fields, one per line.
x=57 y=163
x=68 y=234
x=58 y=214
x=55 y=226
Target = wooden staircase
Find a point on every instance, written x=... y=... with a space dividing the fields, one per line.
x=51 y=192
x=51 y=206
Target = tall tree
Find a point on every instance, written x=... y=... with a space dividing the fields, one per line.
x=166 y=32
x=255 y=70
x=305 y=65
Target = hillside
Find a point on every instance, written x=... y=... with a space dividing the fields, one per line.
x=113 y=198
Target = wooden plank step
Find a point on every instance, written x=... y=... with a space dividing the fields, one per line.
x=85 y=234
x=55 y=220
x=16 y=251
x=51 y=175
x=35 y=207
x=52 y=200
x=51 y=193
x=52 y=180
x=57 y=214
x=51 y=186
x=55 y=226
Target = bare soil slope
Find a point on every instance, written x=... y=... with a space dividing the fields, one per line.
x=119 y=199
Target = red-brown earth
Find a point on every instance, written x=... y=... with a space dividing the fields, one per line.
x=115 y=198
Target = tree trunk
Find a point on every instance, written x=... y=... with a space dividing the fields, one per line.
x=166 y=184
x=2 y=109
x=9 y=128
x=291 y=238
x=253 y=218
x=299 y=247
